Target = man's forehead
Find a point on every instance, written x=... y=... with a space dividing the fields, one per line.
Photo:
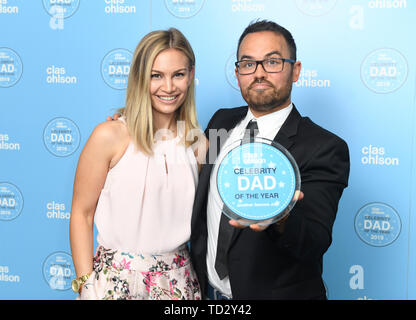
x=263 y=43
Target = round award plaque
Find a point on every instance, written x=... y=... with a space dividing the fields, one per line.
x=257 y=181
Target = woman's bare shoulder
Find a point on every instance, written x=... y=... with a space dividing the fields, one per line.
x=111 y=132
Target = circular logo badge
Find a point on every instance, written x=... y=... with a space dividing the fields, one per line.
x=257 y=181
x=184 y=8
x=61 y=137
x=58 y=271
x=315 y=7
x=230 y=72
x=115 y=68
x=11 y=67
x=384 y=70
x=64 y=8
x=11 y=201
x=377 y=224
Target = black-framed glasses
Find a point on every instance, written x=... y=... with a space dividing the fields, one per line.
x=270 y=65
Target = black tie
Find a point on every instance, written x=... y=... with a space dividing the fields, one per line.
x=226 y=231
x=251 y=130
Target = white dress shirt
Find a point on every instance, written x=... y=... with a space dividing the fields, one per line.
x=268 y=125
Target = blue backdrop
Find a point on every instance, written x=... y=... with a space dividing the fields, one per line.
x=63 y=69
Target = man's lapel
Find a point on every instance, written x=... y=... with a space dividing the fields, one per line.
x=289 y=129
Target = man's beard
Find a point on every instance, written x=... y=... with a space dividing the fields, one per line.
x=264 y=101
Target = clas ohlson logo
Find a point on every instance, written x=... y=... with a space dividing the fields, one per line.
x=8 y=8
x=310 y=78
x=384 y=70
x=377 y=224
x=8 y=144
x=11 y=201
x=61 y=137
x=387 y=4
x=58 y=271
x=315 y=7
x=184 y=8
x=115 y=68
x=119 y=6
x=247 y=6
x=11 y=67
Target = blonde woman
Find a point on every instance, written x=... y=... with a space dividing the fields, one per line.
x=136 y=180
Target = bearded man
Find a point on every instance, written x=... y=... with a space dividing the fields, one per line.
x=282 y=260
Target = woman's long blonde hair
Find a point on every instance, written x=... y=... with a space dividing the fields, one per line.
x=138 y=107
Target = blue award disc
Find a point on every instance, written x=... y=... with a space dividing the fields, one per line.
x=257 y=181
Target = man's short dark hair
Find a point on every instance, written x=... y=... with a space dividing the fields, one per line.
x=265 y=25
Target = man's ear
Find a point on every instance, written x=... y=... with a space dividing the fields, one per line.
x=297 y=67
x=236 y=75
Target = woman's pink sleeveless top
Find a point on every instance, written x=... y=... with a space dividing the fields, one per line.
x=146 y=203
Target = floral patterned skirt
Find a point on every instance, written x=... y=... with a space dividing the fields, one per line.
x=121 y=275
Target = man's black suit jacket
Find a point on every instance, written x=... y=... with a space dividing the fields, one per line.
x=273 y=264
